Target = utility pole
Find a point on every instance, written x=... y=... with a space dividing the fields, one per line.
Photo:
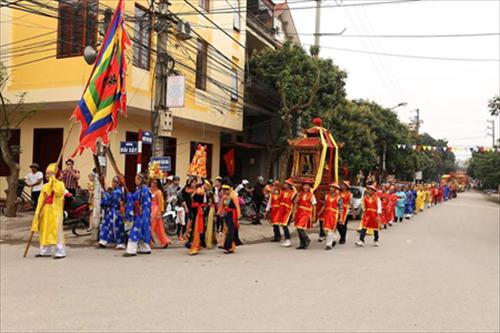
x=492 y=134
x=417 y=125
x=161 y=76
x=317 y=27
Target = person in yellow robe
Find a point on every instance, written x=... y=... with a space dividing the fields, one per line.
x=428 y=196
x=420 y=201
x=49 y=215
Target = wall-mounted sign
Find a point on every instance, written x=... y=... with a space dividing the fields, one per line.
x=165 y=162
x=128 y=147
x=176 y=86
x=147 y=137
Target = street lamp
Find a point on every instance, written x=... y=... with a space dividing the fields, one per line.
x=399 y=105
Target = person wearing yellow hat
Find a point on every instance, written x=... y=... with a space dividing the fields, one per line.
x=371 y=215
x=347 y=203
x=305 y=211
x=331 y=213
x=49 y=215
x=288 y=193
x=232 y=215
x=272 y=210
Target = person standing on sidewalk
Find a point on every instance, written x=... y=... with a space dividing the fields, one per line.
x=371 y=216
x=258 y=198
x=35 y=181
x=272 y=210
x=347 y=203
x=304 y=213
x=70 y=177
x=140 y=234
x=197 y=239
x=48 y=218
x=331 y=213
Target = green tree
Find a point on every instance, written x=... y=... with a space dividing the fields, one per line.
x=494 y=106
x=486 y=168
x=300 y=79
x=12 y=116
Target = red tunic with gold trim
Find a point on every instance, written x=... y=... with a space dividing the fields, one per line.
x=393 y=200
x=274 y=217
x=346 y=197
x=386 y=214
x=304 y=213
x=370 y=216
x=331 y=212
x=286 y=206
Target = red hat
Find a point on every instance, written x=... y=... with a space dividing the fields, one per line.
x=372 y=187
x=334 y=184
x=347 y=183
x=289 y=181
x=318 y=122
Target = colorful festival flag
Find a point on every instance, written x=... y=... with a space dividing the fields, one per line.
x=105 y=93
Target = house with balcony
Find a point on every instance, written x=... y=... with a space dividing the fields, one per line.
x=43 y=55
x=268 y=25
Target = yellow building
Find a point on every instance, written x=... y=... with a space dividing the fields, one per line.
x=43 y=55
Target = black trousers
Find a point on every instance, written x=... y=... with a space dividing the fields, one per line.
x=286 y=231
x=304 y=239
x=230 y=232
x=342 y=228
x=219 y=221
x=276 y=231
x=258 y=207
x=34 y=198
x=363 y=234
x=322 y=232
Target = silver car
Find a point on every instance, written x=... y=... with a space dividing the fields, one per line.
x=357 y=196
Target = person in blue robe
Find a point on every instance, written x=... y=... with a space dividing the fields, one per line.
x=409 y=203
x=139 y=238
x=112 y=229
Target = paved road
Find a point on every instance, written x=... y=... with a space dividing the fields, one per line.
x=438 y=272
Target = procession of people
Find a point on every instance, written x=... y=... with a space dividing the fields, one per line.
x=209 y=213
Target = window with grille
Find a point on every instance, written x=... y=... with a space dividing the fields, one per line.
x=201 y=65
x=236 y=15
x=77 y=27
x=142 y=38
x=234 y=85
x=204 y=4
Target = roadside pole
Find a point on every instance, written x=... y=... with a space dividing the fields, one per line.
x=139 y=151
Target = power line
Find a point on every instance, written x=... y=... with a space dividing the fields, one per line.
x=409 y=55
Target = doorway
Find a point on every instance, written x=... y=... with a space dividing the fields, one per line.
x=47 y=144
x=131 y=161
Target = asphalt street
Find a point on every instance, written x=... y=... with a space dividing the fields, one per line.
x=437 y=272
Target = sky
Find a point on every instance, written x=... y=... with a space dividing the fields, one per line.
x=452 y=95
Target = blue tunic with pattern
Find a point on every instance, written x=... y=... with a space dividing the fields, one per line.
x=112 y=229
x=141 y=229
x=409 y=202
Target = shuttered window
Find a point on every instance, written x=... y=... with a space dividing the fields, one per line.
x=201 y=65
x=205 y=4
x=142 y=38
x=77 y=27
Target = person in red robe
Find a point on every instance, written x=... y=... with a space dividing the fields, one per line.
x=372 y=210
x=347 y=203
x=393 y=200
x=288 y=193
x=440 y=193
x=305 y=211
x=272 y=210
x=331 y=213
x=386 y=206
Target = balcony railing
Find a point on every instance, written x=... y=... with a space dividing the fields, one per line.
x=261 y=11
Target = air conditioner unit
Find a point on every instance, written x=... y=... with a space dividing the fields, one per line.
x=183 y=30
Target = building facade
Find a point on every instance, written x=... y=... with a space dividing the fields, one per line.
x=43 y=55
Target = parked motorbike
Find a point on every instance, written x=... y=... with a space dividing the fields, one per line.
x=76 y=214
x=169 y=219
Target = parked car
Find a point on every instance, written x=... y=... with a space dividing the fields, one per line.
x=357 y=196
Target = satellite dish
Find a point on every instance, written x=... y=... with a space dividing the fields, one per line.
x=89 y=54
